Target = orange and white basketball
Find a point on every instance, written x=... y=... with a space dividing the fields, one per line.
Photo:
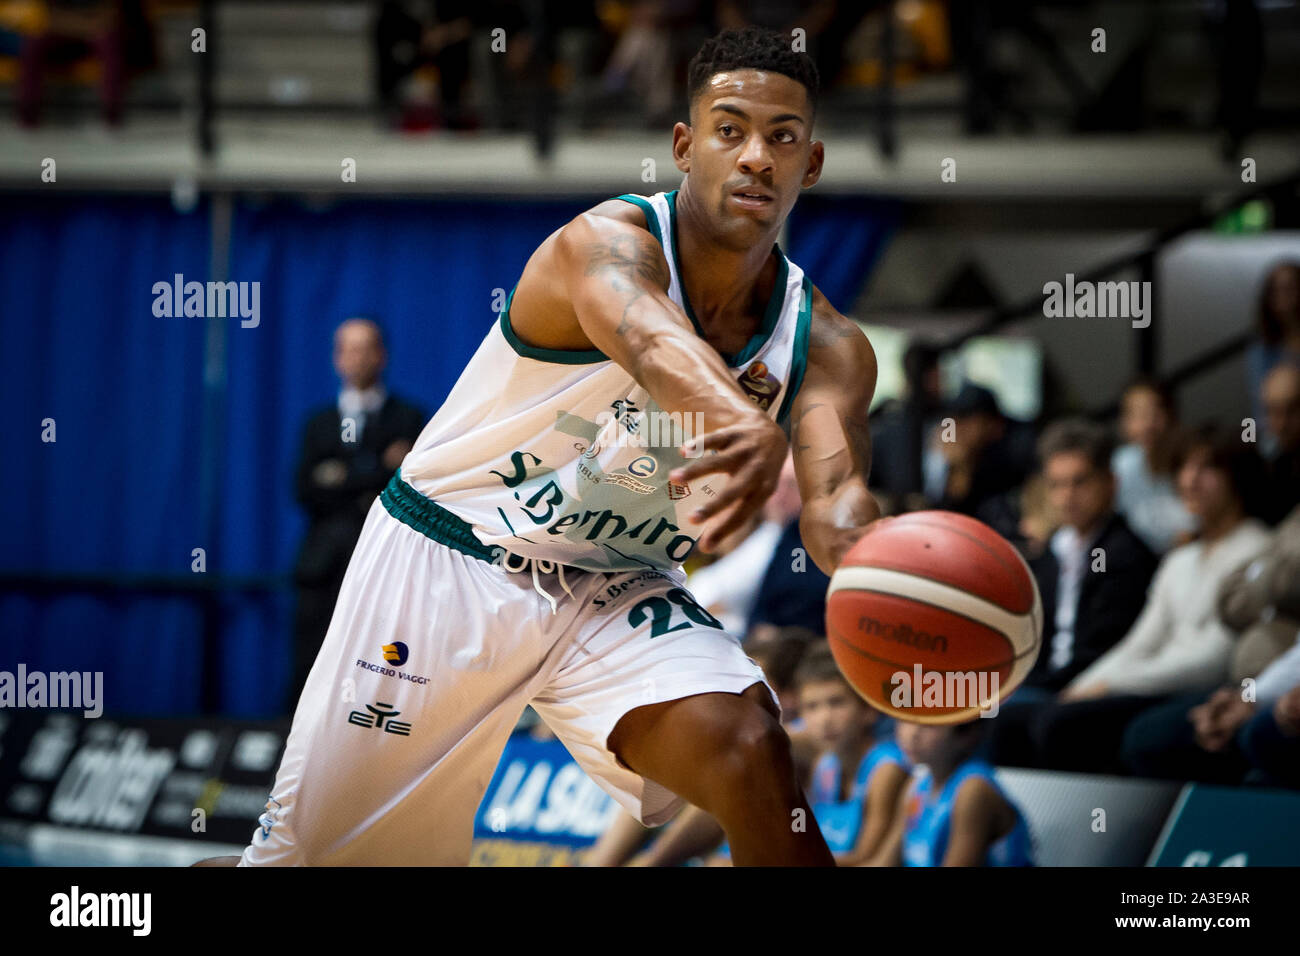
x=933 y=616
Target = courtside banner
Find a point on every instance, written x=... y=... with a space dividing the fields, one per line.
x=200 y=779
x=540 y=808
x=1231 y=826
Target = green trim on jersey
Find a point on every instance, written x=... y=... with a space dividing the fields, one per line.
x=561 y=356
x=432 y=520
x=770 y=317
x=798 y=355
x=651 y=217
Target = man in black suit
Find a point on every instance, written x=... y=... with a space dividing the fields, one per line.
x=981 y=454
x=349 y=451
x=1093 y=578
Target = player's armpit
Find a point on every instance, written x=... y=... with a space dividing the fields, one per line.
x=831 y=437
x=974 y=828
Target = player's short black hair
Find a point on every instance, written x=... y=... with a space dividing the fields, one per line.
x=752 y=48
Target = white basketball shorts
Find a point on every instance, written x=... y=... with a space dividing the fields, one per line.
x=430 y=659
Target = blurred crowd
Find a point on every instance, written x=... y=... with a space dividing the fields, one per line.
x=1168 y=560
x=624 y=58
x=616 y=58
x=614 y=62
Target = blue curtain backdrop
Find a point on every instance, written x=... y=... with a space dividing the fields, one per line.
x=121 y=490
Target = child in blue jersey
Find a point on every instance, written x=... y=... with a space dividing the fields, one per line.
x=857 y=780
x=837 y=726
x=954 y=813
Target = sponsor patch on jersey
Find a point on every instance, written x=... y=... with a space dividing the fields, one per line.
x=643 y=467
x=677 y=492
x=630 y=483
x=380 y=717
x=759 y=384
x=365 y=665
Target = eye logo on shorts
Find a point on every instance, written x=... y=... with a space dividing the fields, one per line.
x=396 y=653
x=643 y=467
x=379 y=713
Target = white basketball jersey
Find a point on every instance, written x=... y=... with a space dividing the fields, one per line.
x=561 y=456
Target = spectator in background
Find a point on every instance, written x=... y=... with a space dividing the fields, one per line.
x=1178 y=644
x=977 y=459
x=1271 y=741
x=1261 y=601
x=1038 y=521
x=116 y=33
x=1143 y=467
x=412 y=34
x=1093 y=579
x=643 y=59
x=792 y=590
x=1227 y=736
x=1277 y=328
x=853 y=811
x=953 y=813
x=349 y=451
x=826 y=25
x=1095 y=572
x=1281 y=400
x=1195 y=738
x=899 y=427
x=858 y=778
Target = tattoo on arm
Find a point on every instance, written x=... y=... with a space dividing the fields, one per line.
x=858 y=428
x=828 y=333
x=795 y=442
x=628 y=265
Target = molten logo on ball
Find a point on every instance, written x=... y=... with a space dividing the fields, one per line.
x=903 y=634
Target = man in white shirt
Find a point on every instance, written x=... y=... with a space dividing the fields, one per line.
x=1178 y=645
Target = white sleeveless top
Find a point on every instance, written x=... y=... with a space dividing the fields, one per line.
x=561 y=456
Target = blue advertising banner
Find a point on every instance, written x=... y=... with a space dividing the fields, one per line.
x=540 y=808
x=1231 y=826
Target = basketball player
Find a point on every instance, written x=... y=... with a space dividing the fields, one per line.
x=529 y=548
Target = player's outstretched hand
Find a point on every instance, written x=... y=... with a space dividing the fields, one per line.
x=751 y=454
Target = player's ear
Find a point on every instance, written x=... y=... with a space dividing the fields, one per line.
x=683 y=136
x=816 y=159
